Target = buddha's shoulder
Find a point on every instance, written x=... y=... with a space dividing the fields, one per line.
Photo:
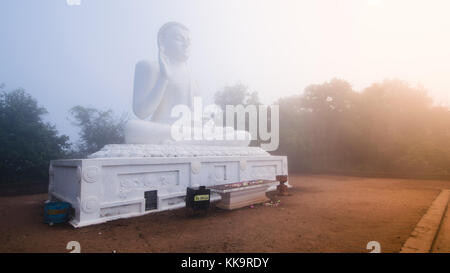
x=147 y=66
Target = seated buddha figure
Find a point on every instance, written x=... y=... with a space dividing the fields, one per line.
x=162 y=85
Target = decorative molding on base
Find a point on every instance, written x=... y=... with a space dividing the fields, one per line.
x=114 y=188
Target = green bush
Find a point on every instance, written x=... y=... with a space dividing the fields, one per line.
x=27 y=144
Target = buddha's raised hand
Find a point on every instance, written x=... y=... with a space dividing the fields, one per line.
x=164 y=67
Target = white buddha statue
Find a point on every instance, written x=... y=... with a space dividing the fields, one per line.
x=160 y=86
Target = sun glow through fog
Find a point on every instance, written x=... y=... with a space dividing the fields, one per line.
x=280 y=47
x=373 y=2
x=275 y=47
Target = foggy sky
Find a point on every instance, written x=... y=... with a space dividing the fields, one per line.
x=85 y=55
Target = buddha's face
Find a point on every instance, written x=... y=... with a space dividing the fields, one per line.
x=175 y=43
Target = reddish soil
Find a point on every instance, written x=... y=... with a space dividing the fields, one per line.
x=322 y=214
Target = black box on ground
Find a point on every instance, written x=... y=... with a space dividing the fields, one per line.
x=198 y=198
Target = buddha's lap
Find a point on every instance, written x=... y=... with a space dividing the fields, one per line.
x=140 y=131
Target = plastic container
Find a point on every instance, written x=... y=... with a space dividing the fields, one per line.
x=56 y=212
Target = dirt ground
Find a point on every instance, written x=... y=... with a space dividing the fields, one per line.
x=322 y=214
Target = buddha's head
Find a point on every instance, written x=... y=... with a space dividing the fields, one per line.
x=174 y=41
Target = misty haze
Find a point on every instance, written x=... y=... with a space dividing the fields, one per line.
x=341 y=111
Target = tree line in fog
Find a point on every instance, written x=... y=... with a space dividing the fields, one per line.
x=389 y=127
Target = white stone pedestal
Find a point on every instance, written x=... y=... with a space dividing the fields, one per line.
x=104 y=189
